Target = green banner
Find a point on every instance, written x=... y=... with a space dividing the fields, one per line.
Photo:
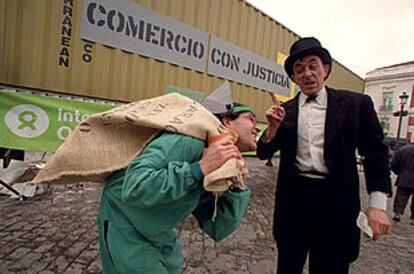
x=40 y=123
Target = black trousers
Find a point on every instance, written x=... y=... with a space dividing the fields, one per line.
x=401 y=200
x=312 y=228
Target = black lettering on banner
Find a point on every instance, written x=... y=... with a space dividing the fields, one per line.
x=266 y=74
x=150 y=33
x=235 y=62
x=89 y=13
x=213 y=56
x=250 y=68
x=121 y=21
x=185 y=41
x=170 y=39
x=162 y=37
x=225 y=59
x=176 y=42
x=262 y=73
x=131 y=28
x=277 y=80
x=282 y=80
x=270 y=75
x=189 y=46
x=101 y=22
x=141 y=29
x=157 y=29
x=66 y=33
x=198 y=49
x=114 y=20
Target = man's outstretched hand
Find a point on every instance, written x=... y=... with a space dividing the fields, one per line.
x=275 y=115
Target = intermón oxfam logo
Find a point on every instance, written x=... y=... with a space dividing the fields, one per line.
x=27 y=121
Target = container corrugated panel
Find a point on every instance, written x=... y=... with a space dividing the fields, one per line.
x=34 y=34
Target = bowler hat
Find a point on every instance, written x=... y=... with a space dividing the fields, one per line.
x=304 y=47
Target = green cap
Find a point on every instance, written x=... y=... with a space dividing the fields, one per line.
x=240 y=109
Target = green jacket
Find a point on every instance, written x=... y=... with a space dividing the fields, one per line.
x=142 y=205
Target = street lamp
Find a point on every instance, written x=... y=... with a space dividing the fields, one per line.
x=403 y=101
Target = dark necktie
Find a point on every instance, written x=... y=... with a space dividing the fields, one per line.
x=311 y=98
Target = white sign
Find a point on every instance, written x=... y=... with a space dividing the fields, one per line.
x=135 y=28
x=27 y=121
x=229 y=61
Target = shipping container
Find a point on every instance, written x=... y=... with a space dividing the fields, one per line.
x=130 y=50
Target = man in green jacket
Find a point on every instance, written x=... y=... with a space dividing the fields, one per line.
x=142 y=205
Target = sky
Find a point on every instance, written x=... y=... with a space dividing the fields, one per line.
x=362 y=35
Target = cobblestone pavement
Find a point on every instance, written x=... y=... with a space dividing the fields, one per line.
x=56 y=233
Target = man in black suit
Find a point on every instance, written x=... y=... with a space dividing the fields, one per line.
x=317 y=199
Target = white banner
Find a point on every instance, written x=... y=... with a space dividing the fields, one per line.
x=134 y=28
x=232 y=62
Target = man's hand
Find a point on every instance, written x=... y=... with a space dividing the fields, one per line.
x=244 y=169
x=378 y=221
x=275 y=116
x=216 y=155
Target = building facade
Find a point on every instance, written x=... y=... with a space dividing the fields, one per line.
x=385 y=86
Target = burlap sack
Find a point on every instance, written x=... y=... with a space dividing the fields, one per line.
x=106 y=142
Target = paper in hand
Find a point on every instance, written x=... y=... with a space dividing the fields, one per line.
x=362 y=223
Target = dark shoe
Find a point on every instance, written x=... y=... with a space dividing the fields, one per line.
x=396 y=219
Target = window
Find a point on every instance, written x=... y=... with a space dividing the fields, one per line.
x=385 y=124
x=387 y=101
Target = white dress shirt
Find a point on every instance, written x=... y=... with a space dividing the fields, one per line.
x=311 y=130
x=311 y=138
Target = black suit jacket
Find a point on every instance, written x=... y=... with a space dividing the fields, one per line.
x=351 y=125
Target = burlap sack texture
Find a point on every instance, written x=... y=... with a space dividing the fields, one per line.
x=105 y=142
